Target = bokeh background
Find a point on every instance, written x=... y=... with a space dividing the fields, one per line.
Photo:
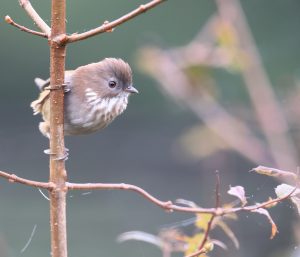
x=151 y=144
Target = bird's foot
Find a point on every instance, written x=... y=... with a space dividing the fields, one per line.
x=64 y=156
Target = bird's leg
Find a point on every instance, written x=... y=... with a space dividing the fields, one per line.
x=65 y=86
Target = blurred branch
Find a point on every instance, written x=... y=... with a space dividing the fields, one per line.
x=10 y=21
x=269 y=113
x=109 y=26
x=26 y=5
x=13 y=178
x=162 y=66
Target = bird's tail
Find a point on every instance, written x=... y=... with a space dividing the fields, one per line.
x=41 y=84
x=37 y=104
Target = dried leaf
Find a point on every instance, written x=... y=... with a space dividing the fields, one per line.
x=239 y=192
x=202 y=220
x=194 y=242
x=283 y=190
x=296 y=201
x=274 y=172
x=227 y=230
x=187 y=203
x=219 y=243
x=271 y=205
x=274 y=229
x=140 y=236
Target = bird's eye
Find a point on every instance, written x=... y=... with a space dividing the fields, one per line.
x=112 y=83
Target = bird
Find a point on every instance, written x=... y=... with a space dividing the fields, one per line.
x=95 y=94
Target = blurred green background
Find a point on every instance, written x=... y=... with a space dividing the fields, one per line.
x=140 y=147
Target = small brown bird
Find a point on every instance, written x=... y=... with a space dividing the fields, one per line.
x=95 y=95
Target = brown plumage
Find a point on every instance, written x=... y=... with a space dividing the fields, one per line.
x=96 y=94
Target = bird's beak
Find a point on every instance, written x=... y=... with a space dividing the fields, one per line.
x=131 y=89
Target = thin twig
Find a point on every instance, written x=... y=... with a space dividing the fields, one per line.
x=168 y=205
x=103 y=186
x=218 y=195
x=26 y=5
x=13 y=178
x=109 y=26
x=10 y=21
x=269 y=203
x=210 y=222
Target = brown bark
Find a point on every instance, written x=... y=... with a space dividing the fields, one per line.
x=58 y=173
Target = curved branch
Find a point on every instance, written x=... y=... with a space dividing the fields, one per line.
x=10 y=21
x=108 y=26
x=13 y=178
x=168 y=205
x=26 y=5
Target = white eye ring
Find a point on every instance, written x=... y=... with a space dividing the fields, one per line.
x=112 y=84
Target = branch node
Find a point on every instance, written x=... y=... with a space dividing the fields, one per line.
x=109 y=29
x=61 y=39
x=168 y=206
x=219 y=212
x=8 y=19
x=23 y=2
x=143 y=8
x=12 y=178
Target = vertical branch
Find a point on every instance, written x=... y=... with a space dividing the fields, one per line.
x=58 y=173
x=270 y=116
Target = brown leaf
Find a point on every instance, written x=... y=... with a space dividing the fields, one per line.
x=274 y=172
x=239 y=192
x=274 y=229
x=227 y=230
